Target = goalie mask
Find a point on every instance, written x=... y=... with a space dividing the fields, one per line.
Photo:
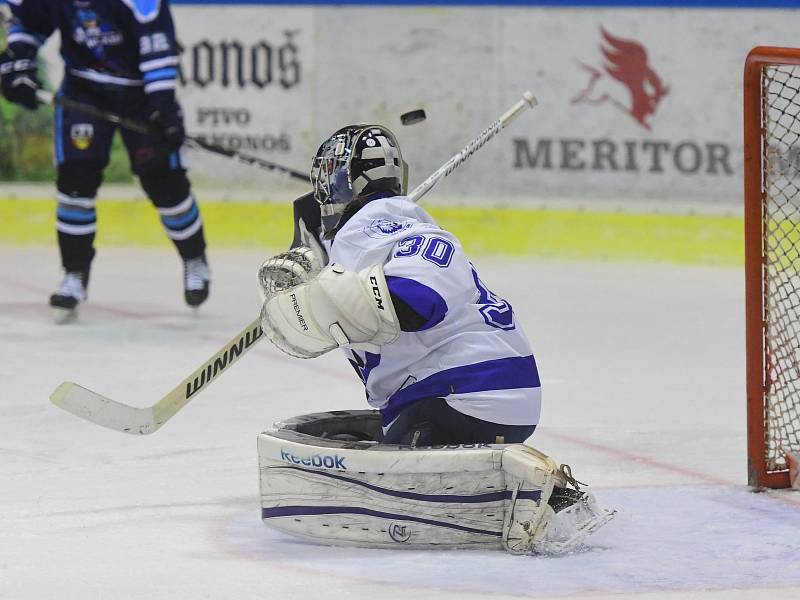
x=354 y=163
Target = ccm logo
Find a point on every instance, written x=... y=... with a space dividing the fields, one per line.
x=376 y=292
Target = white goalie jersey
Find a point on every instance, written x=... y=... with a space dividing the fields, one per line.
x=465 y=344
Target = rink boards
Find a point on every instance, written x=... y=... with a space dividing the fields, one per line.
x=512 y=232
x=624 y=112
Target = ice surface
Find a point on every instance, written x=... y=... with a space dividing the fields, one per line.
x=643 y=374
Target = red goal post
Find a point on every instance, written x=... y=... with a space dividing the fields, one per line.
x=772 y=261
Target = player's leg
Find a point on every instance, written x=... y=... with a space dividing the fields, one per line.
x=163 y=178
x=432 y=421
x=82 y=146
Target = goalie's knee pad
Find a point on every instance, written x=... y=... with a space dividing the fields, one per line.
x=322 y=478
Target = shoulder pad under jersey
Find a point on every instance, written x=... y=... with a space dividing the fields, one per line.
x=144 y=10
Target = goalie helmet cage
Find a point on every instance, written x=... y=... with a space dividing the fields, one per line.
x=772 y=261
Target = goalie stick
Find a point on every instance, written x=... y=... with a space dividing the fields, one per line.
x=104 y=411
x=528 y=101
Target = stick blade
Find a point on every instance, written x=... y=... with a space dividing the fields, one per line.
x=98 y=409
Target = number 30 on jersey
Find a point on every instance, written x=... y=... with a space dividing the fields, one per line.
x=496 y=311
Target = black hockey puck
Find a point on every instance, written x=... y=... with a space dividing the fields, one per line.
x=412 y=117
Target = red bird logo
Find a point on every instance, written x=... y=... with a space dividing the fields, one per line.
x=626 y=62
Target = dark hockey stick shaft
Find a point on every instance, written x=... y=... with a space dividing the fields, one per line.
x=145 y=128
x=247 y=158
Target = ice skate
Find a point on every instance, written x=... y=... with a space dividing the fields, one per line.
x=71 y=292
x=196 y=280
x=577 y=515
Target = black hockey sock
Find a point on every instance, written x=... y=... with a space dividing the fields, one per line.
x=77 y=251
x=193 y=246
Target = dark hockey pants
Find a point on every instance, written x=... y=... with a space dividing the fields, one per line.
x=82 y=150
x=432 y=421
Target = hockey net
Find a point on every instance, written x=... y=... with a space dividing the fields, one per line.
x=772 y=262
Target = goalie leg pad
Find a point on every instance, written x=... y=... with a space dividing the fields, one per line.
x=366 y=494
x=357 y=492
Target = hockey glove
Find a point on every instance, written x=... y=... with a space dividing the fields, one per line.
x=287 y=270
x=166 y=117
x=337 y=308
x=18 y=80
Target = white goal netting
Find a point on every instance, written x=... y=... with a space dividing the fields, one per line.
x=781 y=121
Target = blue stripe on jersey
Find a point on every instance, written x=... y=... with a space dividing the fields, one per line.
x=181 y=221
x=159 y=74
x=373 y=360
x=146 y=6
x=424 y=301
x=144 y=10
x=500 y=374
x=19 y=28
x=76 y=216
x=59 y=134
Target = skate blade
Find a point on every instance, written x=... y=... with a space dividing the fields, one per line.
x=62 y=316
x=593 y=518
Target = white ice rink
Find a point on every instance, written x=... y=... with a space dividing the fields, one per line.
x=643 y=375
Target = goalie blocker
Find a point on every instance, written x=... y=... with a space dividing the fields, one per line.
x=323 y=480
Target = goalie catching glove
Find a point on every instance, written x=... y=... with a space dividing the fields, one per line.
x=337 y=308
x=287 y=270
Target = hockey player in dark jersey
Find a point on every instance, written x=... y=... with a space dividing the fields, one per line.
x=120 y=56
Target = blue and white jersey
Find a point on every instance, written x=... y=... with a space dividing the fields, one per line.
x=465 y=344
x=124 y=43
